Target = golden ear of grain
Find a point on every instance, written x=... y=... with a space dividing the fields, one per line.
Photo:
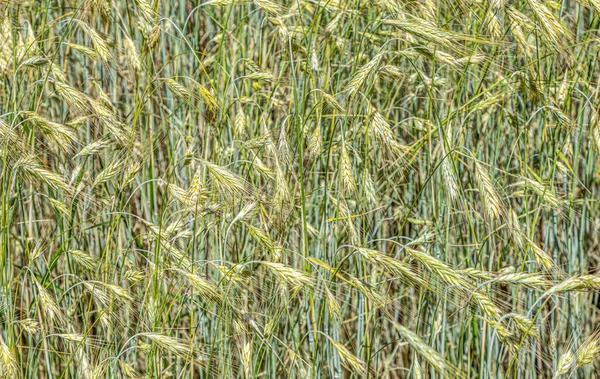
x=270 y=7
x=490 y=199
x=485 y=304
x=394 y=266
x=134 y=276
x=83 y=259
x=543 y=191
x=542 y=258
x=369 y=188
x=565 y=363
x=9 y=366
x=384 y=134
x=195 y=193
x=60 y=135
x=206 y=289
x=525 y=326
x=439 y=268
x=128 y=371
x=146 y=11
x=31 y=326
x=433 y=357
x=594 y=4
x=109 y=173
x=47 y=304
x=130 y=173
x=93 y=148
x=228 y=180
x=391 y=72
x=589 y=350
x=551 y=29
x=282 y=198
x=589 y=282
x=246 y=354
x=533 y=281
x=263 y=238
x=131 y=55
x=477 y=274
x=368 y=291
x=448 y=176
x=521 y=25
x=288 y=276
x=349 y=360
x=169 y=344
x=335 y=310
x=427 y=31
x=363 y=73
x=7 y=44
x=235 y=274
x=379 y=125
x=74 y=98
x=36 y=62
x=561 y=118
x=100 y=45
x=31 y=169
x=315 y=142
x=179 y=91
x=240 y=124
x=209 y=99
x=346 y=170
x=90 y=53
x=220 y=3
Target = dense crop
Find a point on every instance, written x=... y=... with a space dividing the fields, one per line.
x=299 y=188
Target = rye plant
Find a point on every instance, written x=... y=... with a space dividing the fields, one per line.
x=299 y=189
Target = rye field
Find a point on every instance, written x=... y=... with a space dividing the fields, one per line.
x=303 y=189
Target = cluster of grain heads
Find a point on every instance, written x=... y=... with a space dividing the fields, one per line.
x=589 y=350
x=576 y=284
x=565 y=363
x=492 y=203
x=278 y=188
x=9 y=366
x=434 y=358
x=287 y=276
x=399 y=269
x=571 y=359
x=439 y=268
x=448 y=175
x=349 y=360
x=362 y=75
x=530 y=280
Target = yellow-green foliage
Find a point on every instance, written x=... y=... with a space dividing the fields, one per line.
x=299 y=188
